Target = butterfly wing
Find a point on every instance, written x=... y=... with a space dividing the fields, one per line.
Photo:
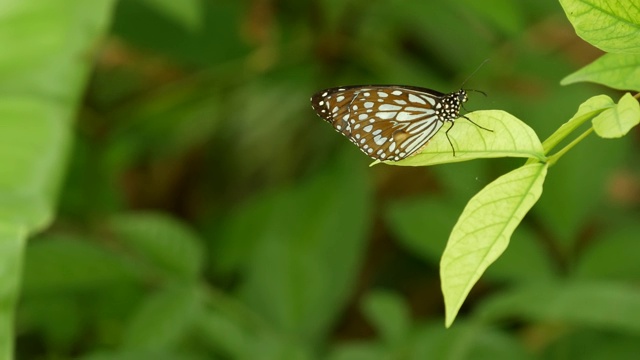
x=385 y=122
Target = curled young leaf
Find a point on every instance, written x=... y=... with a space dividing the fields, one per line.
x=618 y=120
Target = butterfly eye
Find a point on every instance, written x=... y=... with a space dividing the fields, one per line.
x=388 y=122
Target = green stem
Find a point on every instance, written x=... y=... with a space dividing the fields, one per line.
x=554 y=158
x=566 y=129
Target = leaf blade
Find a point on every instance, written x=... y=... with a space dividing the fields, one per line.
x=483 y=231
x=618 y=120
x=617 y=71
x=613 y=26
x=586 y=110
x=509 y=137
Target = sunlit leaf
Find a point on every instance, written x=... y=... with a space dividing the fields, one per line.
x=611 y=25
x=586 y=111
x=484 y=229
x=509 y=137
x=618 y=120
x=618 y=71
x=43 y=71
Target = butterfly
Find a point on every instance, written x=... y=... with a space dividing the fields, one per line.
x=388 y=122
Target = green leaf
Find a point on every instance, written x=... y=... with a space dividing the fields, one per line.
x=612 y=255
x=484 y=229
x=526 y=259
x=468 y=340
x=34 y=139
x=41 y=79
x=140 y=354
x=163 y=319
x=608 y=305
x=586 y=344
x=610 y=25
x=618 y=120
x=505 y=15
x=408 y=219
x=223 y=333
x=389 y=314
x=189 y=13
x=62 y=263
x=618 y=71
x=272 y=347
x=165 y=242
x=307 y=250
x=12 y=241
x=43 y=71
x=359 y=351
x=509 y=137
x=586 y=111
x=565 y=209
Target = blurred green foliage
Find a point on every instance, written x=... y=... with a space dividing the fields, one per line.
x=206 y=213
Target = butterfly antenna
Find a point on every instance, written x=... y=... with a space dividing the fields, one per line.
x=478 y=91
x=473 y=73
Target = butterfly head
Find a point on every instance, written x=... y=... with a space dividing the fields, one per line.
x=462 y=96
x=451 y=103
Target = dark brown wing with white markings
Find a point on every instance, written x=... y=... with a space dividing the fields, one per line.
x=387 y=122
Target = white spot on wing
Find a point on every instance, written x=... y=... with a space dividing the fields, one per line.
x=380 y=140
x=367 y=128
x=368 y=104
x=407 y=116
x=429 y=99
x=389 y=107
x=386 y=115
x=416 y=99
x=419 y=109
x=340 y=98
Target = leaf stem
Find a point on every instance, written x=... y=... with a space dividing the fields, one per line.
x=554 y=158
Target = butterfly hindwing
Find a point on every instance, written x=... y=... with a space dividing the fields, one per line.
x=387 y=122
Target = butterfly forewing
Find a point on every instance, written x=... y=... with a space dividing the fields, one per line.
x=387 y=122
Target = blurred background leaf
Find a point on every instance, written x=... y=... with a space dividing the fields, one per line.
x=206 y=212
